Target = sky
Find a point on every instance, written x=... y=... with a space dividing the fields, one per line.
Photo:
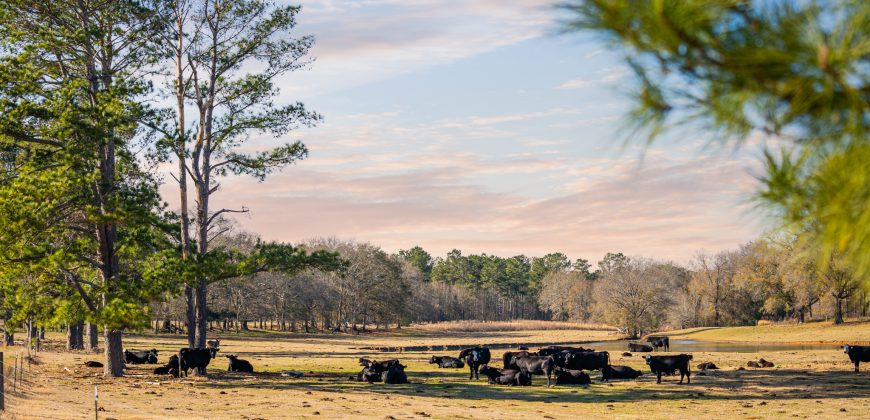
x=476 y=125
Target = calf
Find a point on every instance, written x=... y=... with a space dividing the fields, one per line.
x=395 y=374
x=658 y=342
x=475 y=357
x=447 y=362
x=551 y=350
x=536 y=365
x=508 y=358
x=620 y=372
x=857 y=354
x=639 y=348
x=506 y=376
x=239 y=365
x=140 y=357
x=669 y=365
x=572 y=377
x=196 y=359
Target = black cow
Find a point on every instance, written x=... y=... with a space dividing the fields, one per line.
x=239 y=365
x=506 y=376
x=551 y=350
x=639 y=348
x=196 y=359
x=475 y=357
x=395 y=374
x=857 y=354
x=508 y=358
x=587 y=360
x=368 y=375
x=93 y=364
x=620 y=372
x=669 y=365
x=572 y=377
x=140 y=357
x=657 y=342
x=171 y=367
x=536 y=365
x=447 y=362
x=377 y=366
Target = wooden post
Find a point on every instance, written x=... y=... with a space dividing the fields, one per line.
x=14 y=373
x=2 y=384
x=96 y=405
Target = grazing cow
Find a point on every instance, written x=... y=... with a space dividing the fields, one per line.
x=475 y=357
x=707 y=365
x=239 y=365
x=551 y=350
x=587 y=360
x=639 y=348
x=658 y=342
x=140 y=357
x=536 y=365
x=508 y=358
x=626 y=354
x=93 y=364
x=215 y=344
x=572 y=377
x=196 y=359
x=170 y=368
x=395 y=374
x=669 y=365
x=447 y=362
x=620 y=372
x=857 y=354
x=506 y=376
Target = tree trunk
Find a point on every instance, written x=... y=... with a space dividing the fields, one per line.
x=200 y=325
x=838 y=314
x=114 y=365
x=93 y=338
x=191 y=315
x=8 y=336
x=74 y=336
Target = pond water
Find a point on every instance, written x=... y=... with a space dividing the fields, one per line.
x=688 y=346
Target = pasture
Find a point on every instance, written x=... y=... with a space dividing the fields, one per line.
x=815 y=383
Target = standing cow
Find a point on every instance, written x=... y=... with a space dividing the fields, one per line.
x=857 y=354
x=668 y=365
x=475 y=357
x=659 y=342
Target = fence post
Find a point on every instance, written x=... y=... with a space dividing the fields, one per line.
x=2 y=385
x=96 y=405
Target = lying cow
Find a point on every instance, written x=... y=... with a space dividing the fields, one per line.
x=572 y=377
x=447 y=362
x=373 y=370
x=475 y=357
x=140 y=357
x=620 y=372
x=239 y=365
x=708 y=365
x=395 y=374
x=659 y=342
x=93 y=364
x=857 y=354
x=378 y=366
x=668 y=365
x=171 y=368
x=368 y=375
x=508 y=358
x=506 y=376
x=761 y=363
x=196 y=359
x=536 y=365
x=639 y=348
x=551 y=350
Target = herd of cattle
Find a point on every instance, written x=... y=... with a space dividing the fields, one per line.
x=560 y=364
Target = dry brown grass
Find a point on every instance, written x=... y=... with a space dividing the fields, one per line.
x=815 y=383
x=520 y=325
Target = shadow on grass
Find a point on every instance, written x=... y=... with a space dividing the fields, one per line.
x=761 y=384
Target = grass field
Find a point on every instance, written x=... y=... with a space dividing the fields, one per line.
x=815 y=383
x=809 y=333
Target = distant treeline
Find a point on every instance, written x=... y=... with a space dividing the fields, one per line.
x=760 y=280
